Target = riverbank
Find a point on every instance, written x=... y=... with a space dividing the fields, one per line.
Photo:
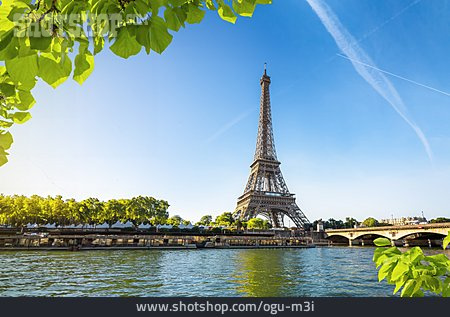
x=88 y=241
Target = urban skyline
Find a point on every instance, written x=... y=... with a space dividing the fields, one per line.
x=182 y=126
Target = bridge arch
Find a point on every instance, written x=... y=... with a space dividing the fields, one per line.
x=402 y=236
x=337 y=235
x=378 y=235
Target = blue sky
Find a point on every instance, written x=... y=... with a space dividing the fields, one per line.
x=182 y=126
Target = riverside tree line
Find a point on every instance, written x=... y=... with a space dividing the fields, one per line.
x=18 y=211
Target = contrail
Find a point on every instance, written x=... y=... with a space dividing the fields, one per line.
x=229 y=125
x=364 y=37
x=392 y=18
x=348 y=45
x=397 y=76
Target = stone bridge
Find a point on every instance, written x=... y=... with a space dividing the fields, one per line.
x=393 y=233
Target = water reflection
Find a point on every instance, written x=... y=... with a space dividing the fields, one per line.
x=266 y=273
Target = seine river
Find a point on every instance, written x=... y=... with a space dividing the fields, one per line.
x=336 y=271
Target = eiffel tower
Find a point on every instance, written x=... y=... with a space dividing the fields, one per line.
x=266 y=192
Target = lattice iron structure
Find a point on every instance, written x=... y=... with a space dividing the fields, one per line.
x=266 y=192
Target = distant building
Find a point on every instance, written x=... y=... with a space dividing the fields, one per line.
x=404 y=221
x=320 y=226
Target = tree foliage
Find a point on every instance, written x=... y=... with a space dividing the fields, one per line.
x=330 y=224
x=258 y=223
x=226 y=219
x=440 y=220
x=176 y=221
x=413 y=272
x=20 y=210
x=204 y=221
x=370 y=222
x=55 y=39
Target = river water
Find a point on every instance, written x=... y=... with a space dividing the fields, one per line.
x=333 y=271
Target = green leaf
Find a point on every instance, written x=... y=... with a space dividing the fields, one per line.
x=408 y=288
x=446 y=288
x=225 y=12
x=142 y=7
x=54 y=71
x=99 y=42
x=9 y=46
x=154 y=36
x=125 y=45
x=382 y=242
x=21 y=117
x=40 y=38
x=446 y=241
x=40 y=43
x=244 y=7
x=400 y=283
x=3 y=158
x=432 y=283
x=415 y=254
x=6 y=140
x=5 y=24
x=195 y=14
x=416 y=291
x=439 y=260
x=23 y=69
x=5 y=124
x=385 y=270
x=210 y=5
x=400 y=269
x=7 y=90
x=84 y=65
x=172 y=19
x=26 y=100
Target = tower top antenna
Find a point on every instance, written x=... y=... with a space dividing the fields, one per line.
x=265 y=68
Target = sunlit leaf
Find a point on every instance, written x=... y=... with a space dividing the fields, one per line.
x=225 y=12
x=400 y=269
x=21 y=117
x=6 y=140
x=125 y=45
x=53 y=71
x=382 y=242
x=84 y=65
x=446 y=241
x=23 y=69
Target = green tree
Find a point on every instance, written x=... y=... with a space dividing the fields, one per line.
x=113 y=211
x=140 y=210
x=160 y=214
x=257 y=223
x=175 y=221
x=90 y=211
x=350 y=222
x=370 y=222
x=224 y=220
x=73 y=211
x=440 y=220
x=204 y=221
x=38 y=39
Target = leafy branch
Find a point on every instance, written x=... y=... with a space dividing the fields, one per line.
x=38 y=39
x=412 y=271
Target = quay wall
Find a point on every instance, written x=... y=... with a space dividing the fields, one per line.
x=115 y=241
